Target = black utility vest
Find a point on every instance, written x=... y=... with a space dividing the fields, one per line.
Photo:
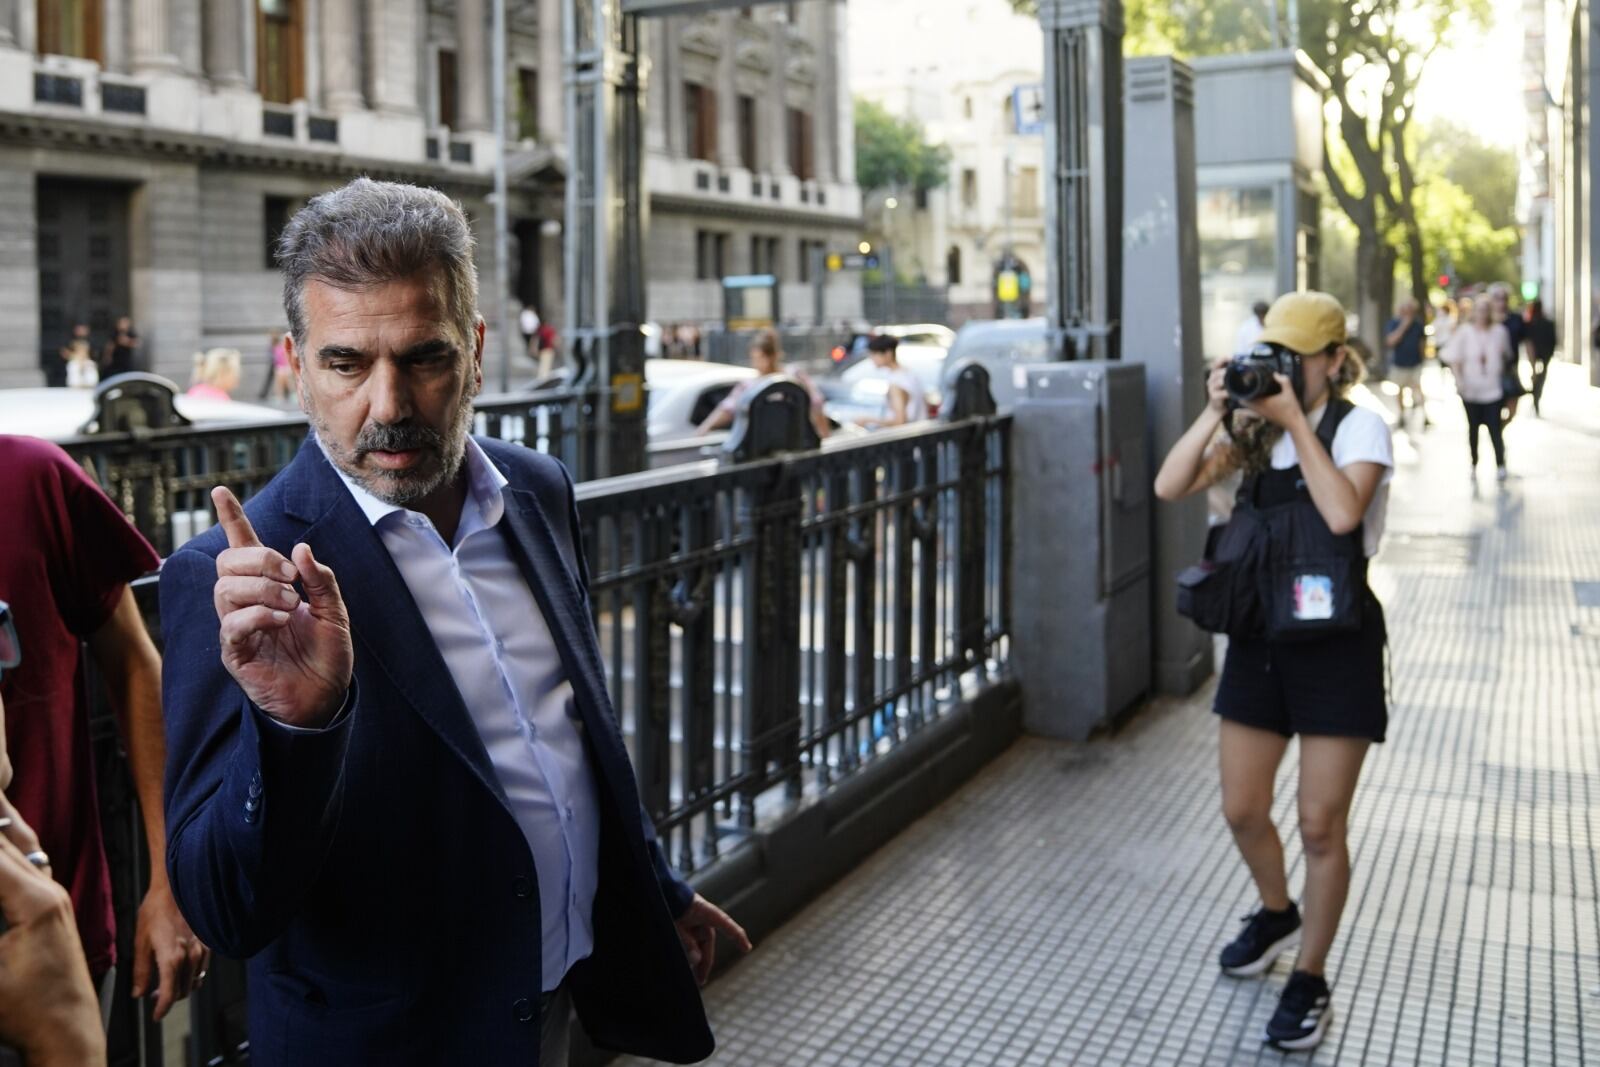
x=1275 y=569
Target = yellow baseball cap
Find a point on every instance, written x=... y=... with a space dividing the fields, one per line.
x=1304 y=322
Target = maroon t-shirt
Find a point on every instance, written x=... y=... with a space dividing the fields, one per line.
x=66 y=555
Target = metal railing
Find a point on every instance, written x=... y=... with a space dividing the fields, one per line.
x=771 y=627
x=768 y=629
x=162 y=479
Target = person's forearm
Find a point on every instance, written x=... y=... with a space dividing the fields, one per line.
x=147 y=757
x=1336 y=499
x=1184 y=462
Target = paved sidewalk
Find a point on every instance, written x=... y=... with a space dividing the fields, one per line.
x=1066 y=907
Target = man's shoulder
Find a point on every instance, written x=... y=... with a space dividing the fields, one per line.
x=523 y=467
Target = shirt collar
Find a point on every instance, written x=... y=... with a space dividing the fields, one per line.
x=485 y=497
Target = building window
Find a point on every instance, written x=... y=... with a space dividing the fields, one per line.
x=969 y=187
x=771 y=256
x=919 y=199
x=952 y=266
x=528 y=103
x=747 y=132
x=800 y=159
x=447 y=87
x=280 y=60
x=803 y=251
x=275 y=215
x=70 y=28
x=710 y=255
x=700 y=121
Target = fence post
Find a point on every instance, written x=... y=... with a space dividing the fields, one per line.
x=774 y=417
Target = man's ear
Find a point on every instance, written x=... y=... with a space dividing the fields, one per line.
x=477 y=351
x=297 y=366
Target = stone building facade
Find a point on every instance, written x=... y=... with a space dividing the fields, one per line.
x=150 y=150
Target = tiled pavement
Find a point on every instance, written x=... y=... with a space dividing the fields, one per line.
x=1065 y=907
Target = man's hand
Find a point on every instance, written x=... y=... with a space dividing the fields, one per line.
x=291 y=656
x=48 y=1008
x=163 y=941
x=697 y=929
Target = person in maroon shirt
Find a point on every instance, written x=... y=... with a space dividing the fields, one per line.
x=68 y=554
x=48 y=1014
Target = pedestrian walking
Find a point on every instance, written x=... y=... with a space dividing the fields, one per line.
x=1511 y=388
x=1445 y=318
x=528 y=323
x=1479 y=354
x=397 y=783
x=216 y=374
x=766 y=356
x=279 y=384
x=1306 y=640
x=1250 y=329
x=905 y=400
x=1541 y=334
x=121 y=351
x=48 y=1008
x=70 y=556
x=1404 y=336
x=82 y=371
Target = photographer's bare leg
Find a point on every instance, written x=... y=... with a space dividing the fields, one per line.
x=1250 y=759
x=1329 y=769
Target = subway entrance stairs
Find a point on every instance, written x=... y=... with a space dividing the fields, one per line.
x=1067 y=905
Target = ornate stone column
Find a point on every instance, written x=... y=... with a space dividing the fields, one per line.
x=224 y=43
x=472 y=65
x=341 y=56
x=152 y=36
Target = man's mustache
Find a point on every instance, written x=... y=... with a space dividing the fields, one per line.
x=397 y=437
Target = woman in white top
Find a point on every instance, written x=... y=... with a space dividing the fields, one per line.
x=1307 y=448
x=905 y=401
x=1479 y=352
x=766 y=356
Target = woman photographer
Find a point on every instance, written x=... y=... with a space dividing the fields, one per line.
x=1307 y=640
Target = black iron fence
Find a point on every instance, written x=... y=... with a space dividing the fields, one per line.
x=769 y=628
x=162 y=479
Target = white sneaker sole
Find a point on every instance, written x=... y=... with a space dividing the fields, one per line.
x=1311 y=1040
x=1268 y=958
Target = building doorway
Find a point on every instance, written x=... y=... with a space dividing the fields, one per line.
x=83 y=253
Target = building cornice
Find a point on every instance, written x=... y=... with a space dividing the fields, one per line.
x=71 y=133
x=676 y=204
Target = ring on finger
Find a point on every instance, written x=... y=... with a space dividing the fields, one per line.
x=38 y=857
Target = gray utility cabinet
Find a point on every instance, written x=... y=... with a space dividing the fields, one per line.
x=1080 y=545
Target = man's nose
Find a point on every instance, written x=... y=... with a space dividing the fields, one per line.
x=390 y=399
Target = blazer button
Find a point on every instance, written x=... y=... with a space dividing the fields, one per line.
x=523 y=1009
x=522 y=886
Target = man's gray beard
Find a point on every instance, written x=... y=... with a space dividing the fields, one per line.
x=401 y=488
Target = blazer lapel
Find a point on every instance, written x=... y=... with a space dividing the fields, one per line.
x=388 y=627
x=565 y=612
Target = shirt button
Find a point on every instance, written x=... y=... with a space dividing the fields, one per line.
x=523 y=1010
x=499 y=645
x=522 y=886
x=256 y=787
x=570 y=814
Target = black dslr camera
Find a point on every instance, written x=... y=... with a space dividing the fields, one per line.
x=1250 y=376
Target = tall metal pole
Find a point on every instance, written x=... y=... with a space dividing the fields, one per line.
x=502 y=219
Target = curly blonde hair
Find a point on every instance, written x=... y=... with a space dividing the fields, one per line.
x=1254 y=438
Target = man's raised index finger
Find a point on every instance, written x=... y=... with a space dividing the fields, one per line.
x=231 y=514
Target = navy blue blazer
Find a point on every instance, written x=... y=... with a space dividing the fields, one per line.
x=372 y=872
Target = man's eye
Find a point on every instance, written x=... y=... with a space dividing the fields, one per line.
x=344 y=369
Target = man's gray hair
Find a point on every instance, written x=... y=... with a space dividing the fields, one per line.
x=368 y=233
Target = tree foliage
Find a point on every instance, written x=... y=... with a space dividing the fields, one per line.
x=892 y=152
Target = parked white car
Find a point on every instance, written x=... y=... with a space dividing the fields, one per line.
x=57 y=414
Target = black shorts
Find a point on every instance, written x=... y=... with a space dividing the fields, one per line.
x=1333 y=687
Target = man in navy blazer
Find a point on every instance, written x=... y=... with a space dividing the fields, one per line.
x=395 y=780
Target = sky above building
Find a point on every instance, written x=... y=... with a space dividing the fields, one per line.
x=1477 y=81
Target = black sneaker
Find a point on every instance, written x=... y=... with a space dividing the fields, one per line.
x=1265 y=937
x=1304 y=1012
